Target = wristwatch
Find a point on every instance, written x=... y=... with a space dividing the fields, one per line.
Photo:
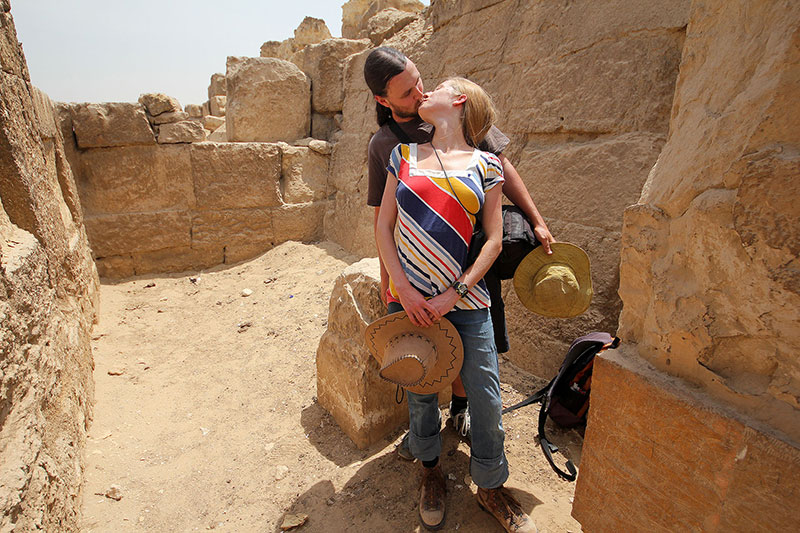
x=461 y=288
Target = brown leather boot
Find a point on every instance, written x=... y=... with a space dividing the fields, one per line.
x=431 y=498
x=503 y=506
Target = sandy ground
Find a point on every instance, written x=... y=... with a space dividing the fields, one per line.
x=206 y=415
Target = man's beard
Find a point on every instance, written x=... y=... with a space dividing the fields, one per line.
x=401 y=113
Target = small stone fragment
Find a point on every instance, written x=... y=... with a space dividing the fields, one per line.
x=246 y=293
x=243 y=326
x=116 y=371
x=150 y=285
x=281 y=471
x=114 y=492
x=291 y=521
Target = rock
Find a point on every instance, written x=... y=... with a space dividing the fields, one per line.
x=111 y=124
x=321 y=147
x=246 y=293
x=169 y=116
x=280 y=472
x=304 y=175
x=187 y=131
x=299 y=222
x=291 y=521
x=210 y=122
x=323 y=64
x=268 y=100
x=116 y=371
x=157 y=103
x=206 y=108
x=237 y=234
x=386 y=23
x=194 y=110
x=278 y=49
x=217 y=105
x=357 y=13
x=217 y=87
x=128 y=233
x=311 y=31
x=114 y=492
x=219 y=135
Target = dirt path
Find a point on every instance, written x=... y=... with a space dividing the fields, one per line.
x=206 y=415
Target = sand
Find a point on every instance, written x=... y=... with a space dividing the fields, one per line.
x=206 y=415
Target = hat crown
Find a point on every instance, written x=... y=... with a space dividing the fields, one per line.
x=556 y=282
x=408 y=357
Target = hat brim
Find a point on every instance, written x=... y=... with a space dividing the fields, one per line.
x=564 y=253
x=443 y=334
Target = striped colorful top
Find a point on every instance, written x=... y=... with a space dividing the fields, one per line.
x=433 y=230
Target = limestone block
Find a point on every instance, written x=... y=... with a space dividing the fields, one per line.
x=115 y=267
x=310 y=31
x=127 y=233
x=217 y=87
x=111 y=124
x=648 y=433
x=299 y=222
x=157 y=103
x=348 y=385
x=268 y=100
x=348 y=222
x=206 y=108
x=386 y=23
x=219 y=135
x=349 y=165
x=358 y=106
x=185 y=131
x=44 y=109
x=616 y=167
x=239 y=233
x=210 y=122
x=304 y=175
x=194 y=110
x=237 y=175
x=217 y=104
x=320 y=146
x=178 y=259
x=168 y=117
x=323 y=64
x=278 y=49
x=132 y=179
x=12 y=59
x=357 y=13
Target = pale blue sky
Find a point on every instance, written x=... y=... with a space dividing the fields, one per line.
x=114 y=50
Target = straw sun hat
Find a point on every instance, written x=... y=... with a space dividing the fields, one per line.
x=557 y=285
x=421 y=360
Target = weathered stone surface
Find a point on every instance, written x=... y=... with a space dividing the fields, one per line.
x=661 y=456
x=310 y=31
x=217 y=86
x=323 y=126
x=348 y=385
x=45 y=116
x=349 y=222
x=386 y=23
x=206 y=108
x=237 y=175
x=304 y=175
x=168 y=117
x=278 y=49
x=111 y=124
x=210 y=122
x=323 y=64
x=157 y=103
x=129 y=233
x=12 y=59
x=136 y=179
x=220 y=135
x=194 y=110
x=217 y=105
x=320 y=146
x=357 y=13
x=239 y=233
x=299 y=222
x=177 y=259
x=268 y=100
x=709 y=272
x=185 y=131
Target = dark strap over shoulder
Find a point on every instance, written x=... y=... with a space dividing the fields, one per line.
x=398 y=131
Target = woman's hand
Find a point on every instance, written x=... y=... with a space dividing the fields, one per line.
x=419 y=310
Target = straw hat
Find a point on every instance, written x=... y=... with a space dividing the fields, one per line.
x=421 y=360
x=557 y=285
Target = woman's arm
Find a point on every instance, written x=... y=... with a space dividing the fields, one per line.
x=493 y=227
x=419 y=310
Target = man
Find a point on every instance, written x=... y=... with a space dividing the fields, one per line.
x=397 y=88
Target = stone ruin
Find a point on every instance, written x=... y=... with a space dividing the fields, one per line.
x=660 y=137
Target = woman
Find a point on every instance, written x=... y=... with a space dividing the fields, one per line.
x=434 y=194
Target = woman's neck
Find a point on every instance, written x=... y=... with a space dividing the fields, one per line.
x=448 y=136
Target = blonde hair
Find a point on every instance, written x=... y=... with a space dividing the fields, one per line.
x=478 y=113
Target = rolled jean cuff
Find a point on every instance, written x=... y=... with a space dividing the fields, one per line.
x=425 y=448
x=489 y=473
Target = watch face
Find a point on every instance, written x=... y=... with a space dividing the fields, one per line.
x=460 y=288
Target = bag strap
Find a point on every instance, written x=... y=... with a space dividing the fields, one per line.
x=401 y=135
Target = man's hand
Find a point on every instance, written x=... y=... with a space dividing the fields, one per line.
x=444 y=303
x=419 y=310
x=544 y=236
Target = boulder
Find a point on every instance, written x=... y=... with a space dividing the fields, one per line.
x=186 y=131
x=219 y=135
x=210 y=122
x=268 y=100
x=194 y=110
x=157 y=103
x=169 y=116
x=357 y=13
x=304 y=175
x=111 y=124
x=323 y=63
x=386 y=23
x=278 y=49
x=311 y=31
x=218 y=85
x=217 y=105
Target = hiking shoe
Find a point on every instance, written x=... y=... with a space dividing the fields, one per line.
x=403 y=450
x=431 y=498
x=506 y=509
x=461 y=421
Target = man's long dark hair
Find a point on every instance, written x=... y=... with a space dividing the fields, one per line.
x=383 y=64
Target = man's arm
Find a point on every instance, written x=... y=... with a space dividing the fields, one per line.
x=384 y=272
x=515 y=190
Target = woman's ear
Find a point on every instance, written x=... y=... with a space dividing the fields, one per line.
x=460 y=99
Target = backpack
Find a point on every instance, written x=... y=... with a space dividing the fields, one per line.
x=566 y=398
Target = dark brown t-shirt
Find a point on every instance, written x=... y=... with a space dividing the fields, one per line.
x=384 y=141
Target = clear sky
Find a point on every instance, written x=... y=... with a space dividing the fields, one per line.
x=115 y=50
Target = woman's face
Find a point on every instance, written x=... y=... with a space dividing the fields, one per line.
x=439 y=100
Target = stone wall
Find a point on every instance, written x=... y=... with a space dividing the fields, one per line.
x=711 y=298
x=584 y=92
x=49 y=299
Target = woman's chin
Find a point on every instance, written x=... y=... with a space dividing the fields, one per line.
x=424 y=113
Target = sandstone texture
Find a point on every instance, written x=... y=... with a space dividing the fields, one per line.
x=185 y=131
x=48 y=304
x=157 y=103
x=217 y=105
x=268 y=100
x=386 y=23
x=660 y=456
x=217 y=86
x=310 y=31
x=356 y=14
x=111 y=124
x=709 y=275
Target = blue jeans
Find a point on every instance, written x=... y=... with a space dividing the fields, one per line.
x=488 y=465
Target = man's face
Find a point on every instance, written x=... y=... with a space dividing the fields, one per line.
x=403 y=93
